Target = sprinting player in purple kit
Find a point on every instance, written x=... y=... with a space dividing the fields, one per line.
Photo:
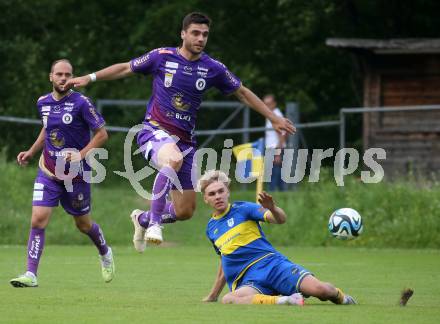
x=180 y=77
x=67 y=118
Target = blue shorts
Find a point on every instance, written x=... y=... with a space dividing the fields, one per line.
x=274 y=275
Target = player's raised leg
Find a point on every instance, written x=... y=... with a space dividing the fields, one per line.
x=85 y=224
x=174 y=161
x=181 y=207
x=169 y=160
x=40 y=219
x=249 y=295
x=310 y=286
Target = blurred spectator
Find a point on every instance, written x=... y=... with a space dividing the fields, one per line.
x=274 y=140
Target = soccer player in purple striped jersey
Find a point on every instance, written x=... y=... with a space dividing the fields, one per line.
x=180 y=77
x=68 y=117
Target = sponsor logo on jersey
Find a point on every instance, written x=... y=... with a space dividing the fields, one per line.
x=56 y=138
x=57 y=153
x=200 y=68
x=200 y=84
x=170 y=71
x=181 y=116
x=45 y=108
x=178 y=116
x=56 y=109
x=168 y=80
x=173 y=65
x=93 y=113
x=45 y=121
x=187 y=70
x=231 y=78
x=178 y=102
x=141 y=60
x=202 y=74
x=68 y=106
x=67 y=118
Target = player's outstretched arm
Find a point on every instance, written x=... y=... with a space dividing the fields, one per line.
x=280 y=124
x=113 y=72
x=99 y=138
x=218 y=286
x=24 y=157
x=276 y=215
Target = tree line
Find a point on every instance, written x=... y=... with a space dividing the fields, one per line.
x=274 y=46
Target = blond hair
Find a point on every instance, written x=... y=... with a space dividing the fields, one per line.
x=210 y=177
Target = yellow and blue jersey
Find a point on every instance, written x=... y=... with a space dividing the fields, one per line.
x=238 y=238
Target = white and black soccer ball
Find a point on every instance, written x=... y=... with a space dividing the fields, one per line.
x=345 y=224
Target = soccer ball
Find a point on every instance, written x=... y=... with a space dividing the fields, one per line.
x=345 y=224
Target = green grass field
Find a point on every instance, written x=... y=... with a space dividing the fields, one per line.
x=166 y=285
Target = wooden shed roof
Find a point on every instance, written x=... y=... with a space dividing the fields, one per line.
x=388 y=46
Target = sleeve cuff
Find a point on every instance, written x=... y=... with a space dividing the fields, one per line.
x=266 y=214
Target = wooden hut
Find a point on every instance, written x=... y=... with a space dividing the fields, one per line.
x=400 y=72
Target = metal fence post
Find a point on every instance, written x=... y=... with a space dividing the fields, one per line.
x=341 y=137
x=292 y=113
x=245 y=138
x=246 y=124
x=99 y=106
x=341 y=129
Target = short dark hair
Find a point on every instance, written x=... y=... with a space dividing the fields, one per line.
x=195 y=18
x=58 y=61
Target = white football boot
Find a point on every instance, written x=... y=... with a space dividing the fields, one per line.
x=153 y=234
x=139 y=231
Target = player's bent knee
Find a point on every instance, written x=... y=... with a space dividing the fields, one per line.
x=228 y=299
x=84 y=228
x=176 y=164
x=38 y=223
x=184 y=214
x=83 y=225
x=39 y=220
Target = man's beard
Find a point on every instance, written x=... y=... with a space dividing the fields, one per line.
x=192 y=49
x=59 y=90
